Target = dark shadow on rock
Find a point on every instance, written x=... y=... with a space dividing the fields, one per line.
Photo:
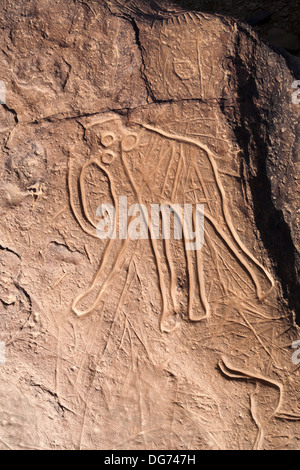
x=250 y=124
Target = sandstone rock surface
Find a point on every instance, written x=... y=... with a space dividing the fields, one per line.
x=143 y=344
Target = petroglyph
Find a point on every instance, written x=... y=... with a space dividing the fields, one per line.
x=153 y=166
x=122 y=105
x=241 y=374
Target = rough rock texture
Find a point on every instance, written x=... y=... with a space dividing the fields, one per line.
x=276 y=20
x=142 y=344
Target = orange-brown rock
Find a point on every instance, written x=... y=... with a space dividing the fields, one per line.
x=145 y=344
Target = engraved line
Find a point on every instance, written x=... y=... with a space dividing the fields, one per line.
x=71 y=199
x=225 y=210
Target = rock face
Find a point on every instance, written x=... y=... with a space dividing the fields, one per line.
x=144 y=343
